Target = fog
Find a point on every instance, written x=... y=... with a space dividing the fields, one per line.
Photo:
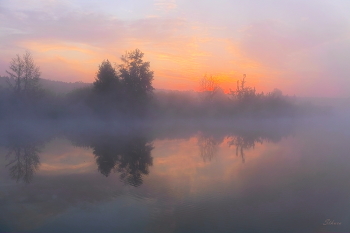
x=118 y=119
x=125 y=147
x=169 y=155
x=126 y=151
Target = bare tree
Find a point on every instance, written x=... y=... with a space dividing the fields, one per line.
x=209 y=85
x=243 y=93
x=23 y=74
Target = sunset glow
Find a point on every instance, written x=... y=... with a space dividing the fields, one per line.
x=299 y=47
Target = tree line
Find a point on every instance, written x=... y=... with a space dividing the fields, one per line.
x=125 y=91
x=118 y=90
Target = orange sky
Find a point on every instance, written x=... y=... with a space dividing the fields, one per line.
x=300 y=48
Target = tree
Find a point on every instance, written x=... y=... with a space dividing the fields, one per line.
x=244 y=94
x=107 y=91
x=136 y=78
x=127 y=90
x=23 y=75
x=210 y=86
x=106 y=78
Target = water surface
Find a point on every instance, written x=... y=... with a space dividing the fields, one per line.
x=251 y=176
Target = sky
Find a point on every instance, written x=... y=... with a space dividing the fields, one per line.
x=299 y=47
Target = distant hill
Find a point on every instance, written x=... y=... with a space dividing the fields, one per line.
x=62 y=87
x=57 y=87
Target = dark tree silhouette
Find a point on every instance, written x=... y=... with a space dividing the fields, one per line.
x=136 y=78
x=244 y=94
x=106 y=80
x=23 y=75
x=127 y=90
x=107 y=90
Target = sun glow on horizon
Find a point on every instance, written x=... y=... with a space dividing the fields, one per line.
x=275 y=46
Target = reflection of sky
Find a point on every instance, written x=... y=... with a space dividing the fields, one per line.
x=60 y=157
x=297 y=46
x=301 y=179
x=125 y=214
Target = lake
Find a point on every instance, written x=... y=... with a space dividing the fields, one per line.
x=272 y=175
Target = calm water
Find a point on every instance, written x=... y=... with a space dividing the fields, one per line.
x=251 y=176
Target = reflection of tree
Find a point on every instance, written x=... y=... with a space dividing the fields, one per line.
x=24 y=163
x=135 y=160
x=207 y=147
x=244 y=143
x=130 y=156
x=243 y=137
x=106 y=157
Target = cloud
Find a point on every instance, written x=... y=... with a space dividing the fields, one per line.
x=89 y=28
x=93 y=28
x=276 y=43
x=163 y=5
x=89 y=37
x=301 y=51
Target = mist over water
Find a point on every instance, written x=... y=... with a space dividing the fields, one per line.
x=119 y=156
x=244 y=175
x=247 y=140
